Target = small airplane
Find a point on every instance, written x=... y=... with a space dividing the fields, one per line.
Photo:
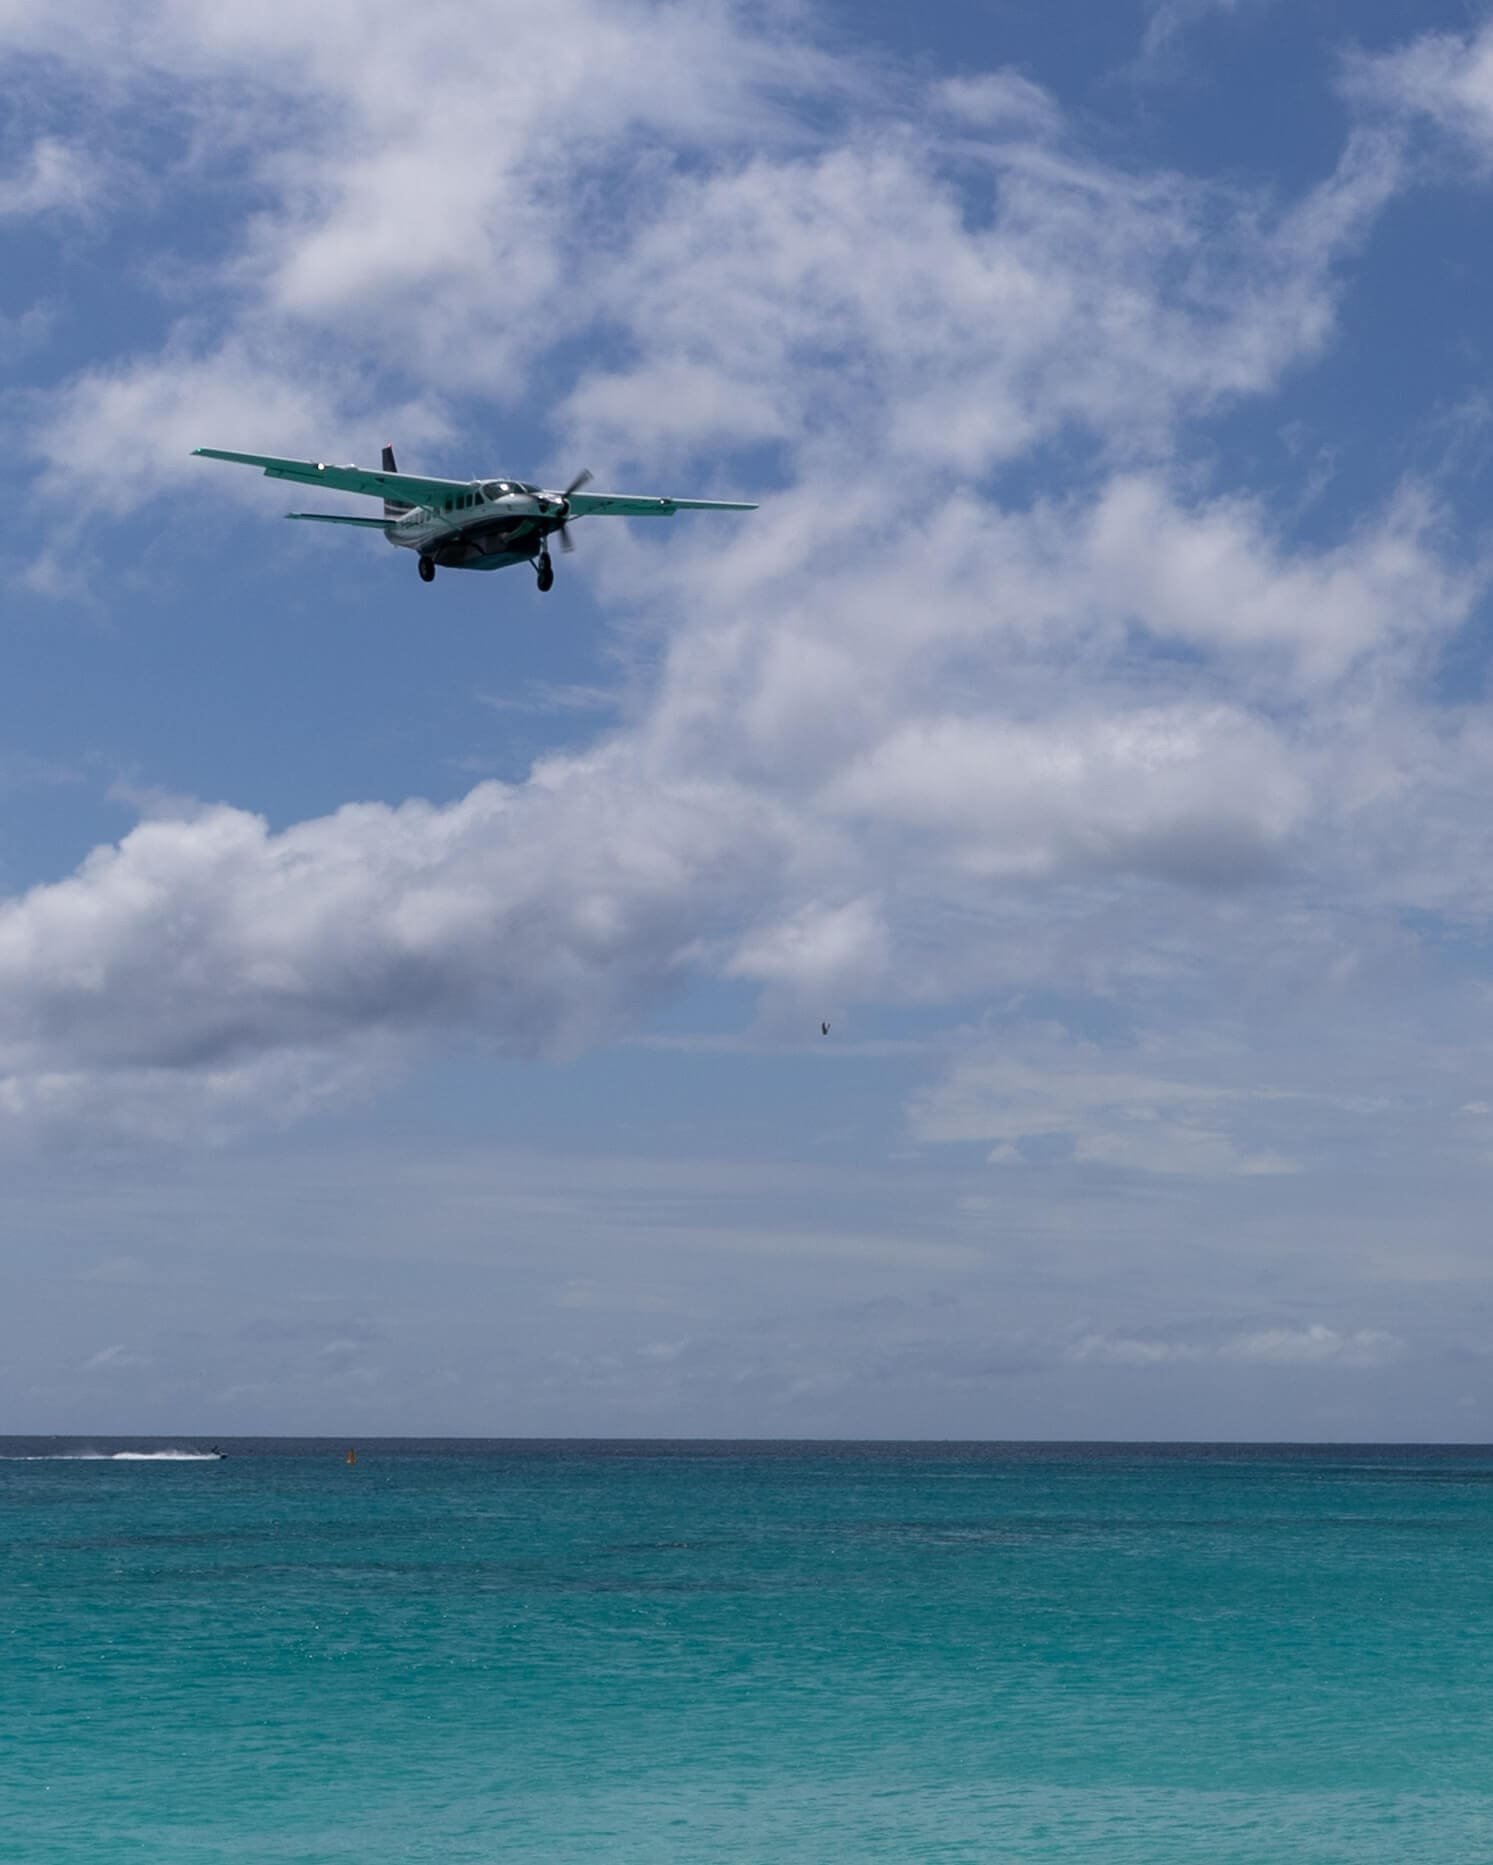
x=466 y=524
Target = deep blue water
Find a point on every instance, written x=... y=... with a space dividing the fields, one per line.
x=609 y=1651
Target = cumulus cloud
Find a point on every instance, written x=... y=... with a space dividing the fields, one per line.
x=1187 y=793
x=1213 y=576
x=818 y=948
x=441 y=234
x=209 y=945
x=860 y=298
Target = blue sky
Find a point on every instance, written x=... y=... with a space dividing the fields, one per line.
x=409 y=997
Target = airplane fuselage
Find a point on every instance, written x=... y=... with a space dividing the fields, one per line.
x=487 y=525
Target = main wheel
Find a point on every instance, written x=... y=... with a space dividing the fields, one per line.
x=546 y=575
x=427 y=569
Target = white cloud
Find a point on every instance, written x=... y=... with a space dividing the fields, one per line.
x=1212 y=576
x=1002 y=100
x=144 y=1100
x=27 y=331
x=1445 y=78
x=416 y=196
x=1170 y=19
x=117 y=1359
x=859 y=301
x=1315 y=1345
x=1185 y=792
x=818 y=948
x=54 y=177
x=1132 y=1350
x=1043 y=1088
x=243 y=960
x=153 y=412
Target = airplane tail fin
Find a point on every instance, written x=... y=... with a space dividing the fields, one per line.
x=393 y=507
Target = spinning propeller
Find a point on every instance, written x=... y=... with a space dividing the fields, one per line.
x=582 y=478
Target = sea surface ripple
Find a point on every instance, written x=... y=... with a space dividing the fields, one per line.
x=519 y=1651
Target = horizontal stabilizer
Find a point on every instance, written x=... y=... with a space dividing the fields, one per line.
x=337 y=518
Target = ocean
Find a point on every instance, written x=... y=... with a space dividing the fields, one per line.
x=512 y=1651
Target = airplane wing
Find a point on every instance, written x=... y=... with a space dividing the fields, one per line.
x=401 y=487
x=337 y=518
x=618 y=505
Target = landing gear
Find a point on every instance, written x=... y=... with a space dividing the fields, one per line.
x=546 y=572
x=427 y=569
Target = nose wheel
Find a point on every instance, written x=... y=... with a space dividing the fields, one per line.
x=546 y=572
x=427 y=569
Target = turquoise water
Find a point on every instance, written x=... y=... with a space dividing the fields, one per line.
x=565 y=1652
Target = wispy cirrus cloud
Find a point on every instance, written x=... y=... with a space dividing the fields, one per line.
x=1070 y=1096
x=1171 y=19
x=1441 y=79
x=1315 y=1345
x=55 y=176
